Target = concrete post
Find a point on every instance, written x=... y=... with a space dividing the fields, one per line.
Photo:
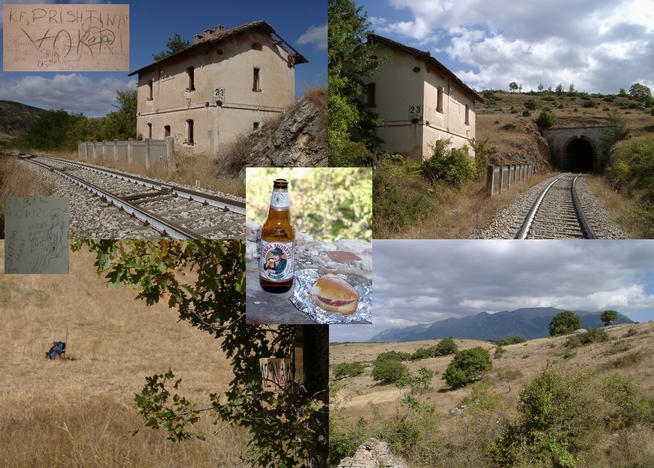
x=147 y=154
x=489 y=180
x=115 y=147
x=170 y=153
x=511 y=176
x=130 y=156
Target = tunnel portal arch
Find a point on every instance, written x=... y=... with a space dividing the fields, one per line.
x=579 y=155
x=575 y=148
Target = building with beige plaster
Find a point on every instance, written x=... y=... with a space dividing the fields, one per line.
x=419 y=101
x=227 y=83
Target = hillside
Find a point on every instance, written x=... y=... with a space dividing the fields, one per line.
x=78 y=409
x=529 y=323
x=500 y=119
x=454 y=427
x=16 y=118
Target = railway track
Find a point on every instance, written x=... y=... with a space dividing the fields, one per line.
x=556 y=213
x=172 y=210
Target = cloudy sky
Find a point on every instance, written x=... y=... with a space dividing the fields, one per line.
x=425 y=281
x=599 y=45
x=302 y=23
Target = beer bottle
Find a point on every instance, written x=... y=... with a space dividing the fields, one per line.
x=276 y=263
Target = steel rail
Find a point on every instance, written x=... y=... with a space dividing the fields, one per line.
x=165 y=227
x=529 y=219
x=588 y=232
x=207 y=199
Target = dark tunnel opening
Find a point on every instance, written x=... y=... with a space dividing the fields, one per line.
x=579 y=156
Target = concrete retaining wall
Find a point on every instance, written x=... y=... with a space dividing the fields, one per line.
x=500 y=178
x=148 y=153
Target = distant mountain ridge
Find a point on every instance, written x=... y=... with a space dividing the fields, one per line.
x=530 y=323
x=16 y=117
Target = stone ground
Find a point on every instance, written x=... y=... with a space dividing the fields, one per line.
x=372 y=454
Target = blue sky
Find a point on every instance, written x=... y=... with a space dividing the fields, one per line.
x=303 y=24
x=423 y=281
x=599 y=45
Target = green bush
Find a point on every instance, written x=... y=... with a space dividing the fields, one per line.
x=395 y=207
x=588 y=103
x=632 y=332
x=564 y=322
x=454 y=166
x=629 y=359
x=354 y=153
x=574 y=341
x=509 y=341
x=392 y=356
x=467 y=366
x=526 y=113
x=594 y=335
x=342 y=443
x=348 y=369
x=631 y=406
x=530 y=104
x=498 y=352
x=422 y=353
x=389 y=371
x=545 y=119
x=444 y=347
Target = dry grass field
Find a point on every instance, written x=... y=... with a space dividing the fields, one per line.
x=461 y=439
x=76 y=411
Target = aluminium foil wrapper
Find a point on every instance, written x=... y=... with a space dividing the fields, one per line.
x=304 y=281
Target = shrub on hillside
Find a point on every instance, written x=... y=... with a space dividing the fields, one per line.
x=395 y=207
x=389 y=371
x=348 y=369
x=392 y=356
x=444 y=347
x=545 y=119
x=509 y=341
x=454 y=166
x=530 y=104
x=631 y=406
x=564 y=322
x=467 y=366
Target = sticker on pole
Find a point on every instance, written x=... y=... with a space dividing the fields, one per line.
x=277 y=374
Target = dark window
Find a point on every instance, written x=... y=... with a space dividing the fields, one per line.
x=257 y=46
x=150 y=131
x=256 y=84
x=150 y=90
x=467 y=115
x=167 y=130
x=190 y=71
x=371 y=95
x=439 y=100
x=189 y=132
x=255 y=125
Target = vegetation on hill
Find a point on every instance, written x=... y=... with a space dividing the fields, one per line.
x=16 y=118
x=59 y=130
x=541 y=405
x=564 y=323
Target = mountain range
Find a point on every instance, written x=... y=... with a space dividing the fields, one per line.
x=530 y=323
x=16 y=117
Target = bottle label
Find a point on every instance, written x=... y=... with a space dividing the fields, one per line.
x=279 y=200
x=276 y=261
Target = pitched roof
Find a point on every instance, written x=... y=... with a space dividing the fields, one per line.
x=426 y=56
x=217 y=36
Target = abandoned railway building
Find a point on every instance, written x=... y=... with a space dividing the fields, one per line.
x=228 y=82
x=418 y=100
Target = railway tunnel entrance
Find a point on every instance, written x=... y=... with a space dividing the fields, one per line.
x=579 y=155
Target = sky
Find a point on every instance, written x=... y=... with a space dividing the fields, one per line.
x=302 y=23
x=598 y=45
x=423 y=281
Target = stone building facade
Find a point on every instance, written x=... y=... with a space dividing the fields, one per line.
x=227 y=83
x=419 y=100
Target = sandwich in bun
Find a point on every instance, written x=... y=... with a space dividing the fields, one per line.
x=335 y=294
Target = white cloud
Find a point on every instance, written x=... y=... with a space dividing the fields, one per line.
x=597 y=45
x=71 y=92
x=316 y=35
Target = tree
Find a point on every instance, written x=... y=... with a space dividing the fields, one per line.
x=286 y=429
x=174 y=44
x=350 y=61
x=389 y=371
x=540 y=87
x=559 y=89
x=640 y=92
x=609 y=317
x=513 y=86
x=571 y=89
x=467 y=366
x=121 y=124
x=444 y=347
x=564 y=322
x=545 y=119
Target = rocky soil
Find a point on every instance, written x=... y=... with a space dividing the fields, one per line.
x=372 y=454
